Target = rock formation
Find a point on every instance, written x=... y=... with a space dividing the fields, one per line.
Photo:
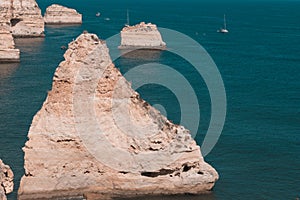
x=94 y=137
x=18 y=18
x=141 y=36
x=25 y=17
x=8 y=53
x=57 y=14
x=6 y=180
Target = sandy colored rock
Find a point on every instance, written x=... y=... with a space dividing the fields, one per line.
x=141 y=36
x=57 y=14
x=6 y=180
x=94 y=137
x=8 y=53
x=24 y=17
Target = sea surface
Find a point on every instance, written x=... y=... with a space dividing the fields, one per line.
x=258 y=153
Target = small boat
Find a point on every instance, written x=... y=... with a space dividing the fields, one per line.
x=106 y=19
x=224 y=29
x=98 y=14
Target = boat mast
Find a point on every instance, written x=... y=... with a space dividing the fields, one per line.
x=224 y=22
x=127 y=17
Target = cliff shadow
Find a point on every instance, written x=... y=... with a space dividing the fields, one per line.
x=142 y=54
x=7 y=69
x=172 y=197
x=131 y=57
x=29 y=45
x=59 y=26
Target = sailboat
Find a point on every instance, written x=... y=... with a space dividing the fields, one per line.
x=127 y=24
x=224 y=29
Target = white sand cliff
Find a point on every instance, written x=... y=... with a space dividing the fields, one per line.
x=141 y=36
x=94 y=137
x=6 y=180
x=57 y=14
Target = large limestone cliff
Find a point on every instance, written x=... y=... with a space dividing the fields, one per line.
x=6 y=180
x=57 y=14
x=95 y=137
x=141 y=36
x=24 y=17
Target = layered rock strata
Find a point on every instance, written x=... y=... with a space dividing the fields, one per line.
x=57 y=14
x=141 y=36
x=18 y=18
x=25 y=18
x=8 y=53
x=6 y=180
x=95 y=138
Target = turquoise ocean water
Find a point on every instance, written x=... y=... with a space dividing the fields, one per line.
x=258 y=153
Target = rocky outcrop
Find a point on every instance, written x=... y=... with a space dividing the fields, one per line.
x=18 y=18
x=57 y=14
x=141 y=36
x=26 y=18
x=8 y=53
x=6 y=180
x=94 y=137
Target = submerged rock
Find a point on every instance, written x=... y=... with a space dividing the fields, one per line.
x=6 y=180
x=141 y=36
x=94 y=137
x=57 y=14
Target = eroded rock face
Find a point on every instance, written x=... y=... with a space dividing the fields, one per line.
x=6 y=180
x=141 y=36
x=95 y=137
x=57 y=14
x=8 y=53
x=24 y=17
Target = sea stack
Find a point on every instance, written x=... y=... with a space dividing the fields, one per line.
x=95 y=138
x=57 y=14
x=141 y=36
x=8 y=53
x=26 y=18
x=6 y=180
x=18 y=18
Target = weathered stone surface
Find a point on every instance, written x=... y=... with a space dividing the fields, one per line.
x=141 y=36
x=24 y=17
x=57 y=14
x=6 y=180
x=95 y=137
x=8 y=53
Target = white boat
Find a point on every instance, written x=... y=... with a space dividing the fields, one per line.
x=224 y=29
x=98 y=14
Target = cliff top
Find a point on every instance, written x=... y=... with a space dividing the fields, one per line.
x=141 y=27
